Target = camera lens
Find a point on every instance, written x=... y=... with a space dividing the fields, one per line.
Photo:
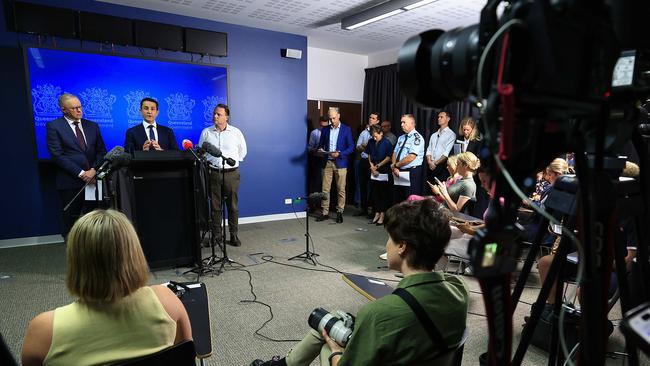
x=437 y=67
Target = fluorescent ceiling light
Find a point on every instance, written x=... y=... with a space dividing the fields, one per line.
x=372 y=20
x=418 y=4
x=381 y=11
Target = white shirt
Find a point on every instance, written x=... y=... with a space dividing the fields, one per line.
x=230 y=141
x=363 y=139
x=146 y=125
x=441 y=143
x=334 y=136
x=71 y=124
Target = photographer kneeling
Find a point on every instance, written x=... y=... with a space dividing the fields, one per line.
x=387 y=331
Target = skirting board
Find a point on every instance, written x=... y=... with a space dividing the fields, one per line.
x=55 y=239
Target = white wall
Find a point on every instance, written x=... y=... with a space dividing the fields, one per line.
x=334 y=75
x=382 y=58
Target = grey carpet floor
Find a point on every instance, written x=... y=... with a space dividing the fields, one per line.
x=32 y=281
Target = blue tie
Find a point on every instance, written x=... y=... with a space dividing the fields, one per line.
x=151 y=136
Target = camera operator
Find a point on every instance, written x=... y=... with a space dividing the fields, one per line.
x=387 y=331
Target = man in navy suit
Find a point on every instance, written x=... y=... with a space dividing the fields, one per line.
x=336 y=144
x=149 y=135
x=77 y=148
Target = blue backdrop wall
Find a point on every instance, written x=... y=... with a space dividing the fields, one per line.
x=267 y=98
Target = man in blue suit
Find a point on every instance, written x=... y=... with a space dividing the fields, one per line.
x=77 y=148
x=335 y=144
x=150 y=135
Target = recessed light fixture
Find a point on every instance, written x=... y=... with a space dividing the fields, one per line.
x=381 y=11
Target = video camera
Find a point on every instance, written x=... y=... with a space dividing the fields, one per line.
x=548 y=77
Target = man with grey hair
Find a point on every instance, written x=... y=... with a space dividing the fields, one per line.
x=76 y=148
x=335 y=145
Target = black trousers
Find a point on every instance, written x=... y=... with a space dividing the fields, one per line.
x=440 y=172
x=401 y=193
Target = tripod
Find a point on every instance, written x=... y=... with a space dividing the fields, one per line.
x=307 y=255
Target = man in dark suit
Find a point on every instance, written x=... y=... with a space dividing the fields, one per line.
x=77 y=148
x=336 y=144
x=150 y=135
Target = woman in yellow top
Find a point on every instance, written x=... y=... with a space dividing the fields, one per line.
x=116 y=317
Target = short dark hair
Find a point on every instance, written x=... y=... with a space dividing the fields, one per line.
x=376 y=114
x=375 y=129
x=225 y=108
x=323 y=119
x=423 y=226
x=147 y=99
x=446 y=112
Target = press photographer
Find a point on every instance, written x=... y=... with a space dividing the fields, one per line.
x=388 y=331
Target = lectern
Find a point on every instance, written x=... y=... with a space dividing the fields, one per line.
x=158 y=193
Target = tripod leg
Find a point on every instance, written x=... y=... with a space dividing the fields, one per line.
x=536 y=310
x=530 y=259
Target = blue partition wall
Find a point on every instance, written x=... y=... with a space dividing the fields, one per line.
x=267 y=95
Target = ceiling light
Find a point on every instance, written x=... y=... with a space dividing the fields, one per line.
x=371 y=20
x=418 y=4
x=381 y=11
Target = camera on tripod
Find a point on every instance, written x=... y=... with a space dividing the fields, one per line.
x=339 y=326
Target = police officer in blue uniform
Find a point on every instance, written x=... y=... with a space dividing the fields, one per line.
x=407 y=157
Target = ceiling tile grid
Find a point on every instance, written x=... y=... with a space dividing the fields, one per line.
x=320 y=20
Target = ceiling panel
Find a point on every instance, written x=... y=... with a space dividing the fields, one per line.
x=320 y=20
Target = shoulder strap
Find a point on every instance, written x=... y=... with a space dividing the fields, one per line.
x=424 y=319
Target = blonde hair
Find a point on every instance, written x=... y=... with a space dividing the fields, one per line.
x=558 y=166
x=469 y=160
x=453 y=161
x=469 y=121
x=105 y=259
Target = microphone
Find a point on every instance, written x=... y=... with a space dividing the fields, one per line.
x=115 y=158
x=230 y=161
x=187 y=144
x=212 y=150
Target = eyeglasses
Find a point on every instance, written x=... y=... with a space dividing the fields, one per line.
x=75 y=108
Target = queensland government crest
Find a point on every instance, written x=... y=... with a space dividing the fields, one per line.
x=209 y=103
x=179 y=107
x=133 y=99
x=97 y=102
x=45 y=100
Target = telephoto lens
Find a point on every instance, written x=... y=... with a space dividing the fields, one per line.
x=339 y=330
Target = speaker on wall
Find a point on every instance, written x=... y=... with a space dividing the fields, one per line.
x=291 y=53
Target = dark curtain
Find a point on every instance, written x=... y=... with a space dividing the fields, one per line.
x=381 y=93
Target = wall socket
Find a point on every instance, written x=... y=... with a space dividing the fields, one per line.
x=288 y=201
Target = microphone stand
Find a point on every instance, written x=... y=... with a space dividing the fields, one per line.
x=202 y=268
x=224 y=257
x=84 y=187
x=307 y=255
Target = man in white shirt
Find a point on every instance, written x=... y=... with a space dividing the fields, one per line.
x=440 y=145
x=230 y=141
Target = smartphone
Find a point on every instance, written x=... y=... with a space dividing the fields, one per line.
x=437 y=180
